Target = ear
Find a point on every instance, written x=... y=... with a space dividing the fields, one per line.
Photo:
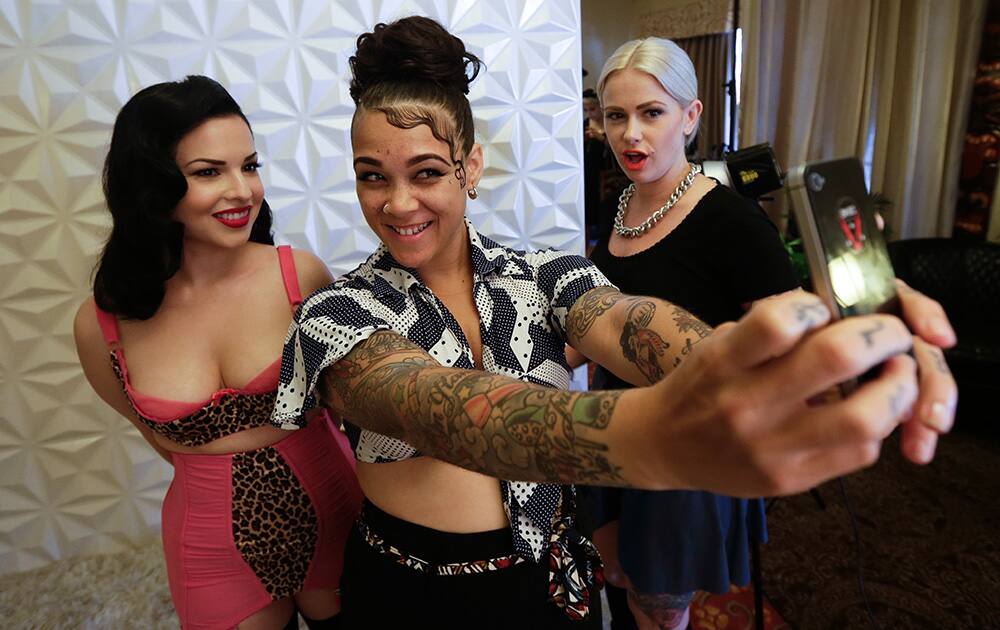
x=474 y=165
x=691 y=116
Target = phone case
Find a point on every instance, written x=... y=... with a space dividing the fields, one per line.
x=848 y=259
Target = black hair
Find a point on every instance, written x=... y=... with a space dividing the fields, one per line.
x=416 y=72
x=142 y=186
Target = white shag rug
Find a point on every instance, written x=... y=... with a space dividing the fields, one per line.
x=123 y=590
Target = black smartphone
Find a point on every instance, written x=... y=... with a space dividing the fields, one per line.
x=848 y=260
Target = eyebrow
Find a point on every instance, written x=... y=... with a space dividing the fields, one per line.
x=639 y=106
x=413 y=160
x=219 y=162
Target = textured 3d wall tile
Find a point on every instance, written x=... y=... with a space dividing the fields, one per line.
x=75 y=477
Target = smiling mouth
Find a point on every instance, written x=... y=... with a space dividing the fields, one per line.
x=235 y=218
x=410 y=230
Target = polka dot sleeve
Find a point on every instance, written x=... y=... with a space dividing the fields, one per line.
x=329 y=325
x=563 y=278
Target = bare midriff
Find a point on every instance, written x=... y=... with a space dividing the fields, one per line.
x=435 y=494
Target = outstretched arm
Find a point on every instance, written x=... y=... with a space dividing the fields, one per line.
x=732 y=418
x=642 y=339
x=485 y=422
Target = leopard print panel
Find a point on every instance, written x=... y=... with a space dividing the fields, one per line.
x=230 y=413
x=274 y=524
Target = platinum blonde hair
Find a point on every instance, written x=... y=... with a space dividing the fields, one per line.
x=663 y=60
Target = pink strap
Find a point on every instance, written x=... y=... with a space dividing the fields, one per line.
x=288 y=274
x=109 y=325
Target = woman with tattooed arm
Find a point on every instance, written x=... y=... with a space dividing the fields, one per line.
x=447 y=347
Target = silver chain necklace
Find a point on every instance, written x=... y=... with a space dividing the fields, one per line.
x=639 y=230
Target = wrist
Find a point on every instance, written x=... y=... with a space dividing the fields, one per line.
x=639 y=443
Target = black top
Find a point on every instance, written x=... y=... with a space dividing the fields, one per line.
x=725 y=253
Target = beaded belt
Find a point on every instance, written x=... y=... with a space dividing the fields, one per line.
x=379 y=544
x=574 y=564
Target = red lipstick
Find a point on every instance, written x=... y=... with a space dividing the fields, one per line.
x=234 y=217
x=634 y=160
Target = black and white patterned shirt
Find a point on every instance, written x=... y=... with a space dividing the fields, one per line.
x=522 y=299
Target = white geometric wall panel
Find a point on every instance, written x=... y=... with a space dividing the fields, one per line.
x=76 y=478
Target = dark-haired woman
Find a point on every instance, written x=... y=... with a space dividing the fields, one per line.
x=192 y=292
x=445 y=346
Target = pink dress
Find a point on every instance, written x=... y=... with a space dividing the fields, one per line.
x=241 y=530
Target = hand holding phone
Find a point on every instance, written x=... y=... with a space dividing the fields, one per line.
x=848 y=259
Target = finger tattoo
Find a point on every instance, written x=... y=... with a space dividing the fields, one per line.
x=810 y=314
x=869 y=334
x=939 y=362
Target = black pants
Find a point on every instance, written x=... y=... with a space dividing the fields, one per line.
x=377 y=591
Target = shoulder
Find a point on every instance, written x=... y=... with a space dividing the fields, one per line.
x=732 y=213
x=85 y=322
x=311 y=270
x=726 y=200
x=359 y=292
x=90 y=344
x=563 y=277
x=553 y=268
x=556 y=258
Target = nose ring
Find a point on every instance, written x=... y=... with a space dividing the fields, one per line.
x=385 y=208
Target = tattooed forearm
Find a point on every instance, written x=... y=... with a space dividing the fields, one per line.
x=481 y=421
x=688 y=323
x=588 y=308
x=337 y=381
x=640 y=344
x=651 y=340
x=511 y=429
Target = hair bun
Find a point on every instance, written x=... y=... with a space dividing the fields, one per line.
x=408 y=50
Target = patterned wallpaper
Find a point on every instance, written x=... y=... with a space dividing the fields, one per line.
x=74 y=477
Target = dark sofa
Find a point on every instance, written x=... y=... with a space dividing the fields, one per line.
x=965 y=277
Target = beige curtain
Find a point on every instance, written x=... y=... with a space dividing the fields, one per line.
x=679 y=19
x=820 y=76
x=712 y=59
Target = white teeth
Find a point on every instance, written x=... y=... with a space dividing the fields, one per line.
x=410 y=231
x=232 y=216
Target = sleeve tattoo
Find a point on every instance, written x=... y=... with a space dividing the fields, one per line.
x=588 y=308
x=484 y=422
x=642 y=339
x=641 y=345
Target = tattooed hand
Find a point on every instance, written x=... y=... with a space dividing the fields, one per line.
x=934 y=411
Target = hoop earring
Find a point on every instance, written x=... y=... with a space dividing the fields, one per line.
x=385 y=208
x=473 y=193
